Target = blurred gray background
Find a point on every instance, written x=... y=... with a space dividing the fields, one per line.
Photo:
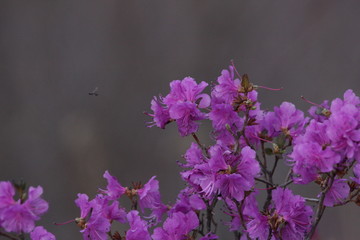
x=52 y=53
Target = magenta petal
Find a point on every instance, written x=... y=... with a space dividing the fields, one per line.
x=149 y=195
x=138 y=228
x=39 y=233
x=113 y=189
x=35 y=204
x=7 y=193
x=338 y=192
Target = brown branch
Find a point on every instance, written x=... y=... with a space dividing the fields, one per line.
x=264 y=181
x=8 y=236
x=321 y=208
x=210 y=214
x=203 y=148
x=239 y=207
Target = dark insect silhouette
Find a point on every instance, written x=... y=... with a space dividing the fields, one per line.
x=94 y=92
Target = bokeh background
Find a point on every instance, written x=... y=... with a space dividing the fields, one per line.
x=52 y=53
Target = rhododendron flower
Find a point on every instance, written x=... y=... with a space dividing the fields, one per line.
x=138 y=228
x=193 y=156
x=114 y=190
x=235 y=173
x=149 y=195
x=183 y=101
x=313 y=153
x=40 y=233
x=228 y=87
x=97 y=225
x=223 y=117
x=160 y=113
x=176 y=226
x=337 y=193
x=294 y=212
x=344 y=124
x=289 y=218
x=286 y=119
x=188 y=201
x=20 y=216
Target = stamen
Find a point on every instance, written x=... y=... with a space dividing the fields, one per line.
x=262 y=139
x=270 y=188
x=59 y=224
x=233 y=65
x=271 y=89
x=312 y=103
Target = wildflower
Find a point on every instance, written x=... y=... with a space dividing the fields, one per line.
x=20 y=216
x=235 y=173
x=290 y=209
x=183 y=101
x=177 y=226
x=97 y=225
x=337 y=193
x=138 y=228
x=114 y=190
x=344 y=124
x=188 y=201
x=193 y=156
x=228 y=87
x=39 y=233
x=286 y=119
x=313 y=153
x=288 y=218
x=149 y=195
x=223 y=116
x=160 y=113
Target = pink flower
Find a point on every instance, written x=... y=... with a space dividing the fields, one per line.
x=183 y=101
x=97 y=225
x=20 y=216
x=160 y=113
x=138 y=228
x=227 y=88
x=176 y=226
x=114 y=190
x=39 y=233
x=338 y=192
x=149 y=195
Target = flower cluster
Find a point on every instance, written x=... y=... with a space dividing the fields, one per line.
x=232 y=175
x=248 y=145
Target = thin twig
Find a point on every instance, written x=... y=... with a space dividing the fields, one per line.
x=210 y=214
x=239 y=208
x=236 y=139
x=263 y=168
x=264 y=157
x=8 y=236
x=275 y=165
x=264 y=181
x=288 y=175
x=197 y=140
x=321 y=208
x=312 y=200
x=286 y=184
